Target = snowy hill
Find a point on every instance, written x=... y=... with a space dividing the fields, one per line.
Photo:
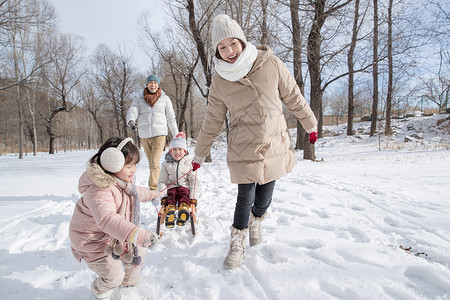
x=368 y=220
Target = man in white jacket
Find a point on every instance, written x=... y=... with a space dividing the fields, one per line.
x=155 y=113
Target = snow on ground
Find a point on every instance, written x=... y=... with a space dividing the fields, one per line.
x=368 y=220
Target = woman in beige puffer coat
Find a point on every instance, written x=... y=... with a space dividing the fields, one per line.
x=251 y=84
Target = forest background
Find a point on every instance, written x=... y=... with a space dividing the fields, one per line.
x=352 y=59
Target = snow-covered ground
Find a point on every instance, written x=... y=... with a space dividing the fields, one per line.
x=369 y=220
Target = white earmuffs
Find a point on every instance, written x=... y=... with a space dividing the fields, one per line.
x=112 y=159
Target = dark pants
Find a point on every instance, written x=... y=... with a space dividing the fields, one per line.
x=252 y=196
x=178 y=195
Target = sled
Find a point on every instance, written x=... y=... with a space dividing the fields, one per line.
x=162 y=216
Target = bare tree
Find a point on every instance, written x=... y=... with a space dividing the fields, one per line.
x=199 y=17
x=62 y=76
x=436 y=89
x=93 y=104
x=350 y=64
x=264 y=27
x=199 y=29
x=321 y=13
x=435 y=85
x=45 y=16
x=390 y=91
x=20 y=20
x=16 y=39
x=374 y=116
x=179 y=62
x=302 y=140
x=23 y=20
x=116 y=80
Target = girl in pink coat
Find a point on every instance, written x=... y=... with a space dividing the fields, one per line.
x=104 y=230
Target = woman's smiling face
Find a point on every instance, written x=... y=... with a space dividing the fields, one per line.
x=230 y=49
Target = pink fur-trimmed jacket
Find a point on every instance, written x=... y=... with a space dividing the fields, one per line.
x=96 y=215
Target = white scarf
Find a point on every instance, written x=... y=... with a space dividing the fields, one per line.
x=240 y=68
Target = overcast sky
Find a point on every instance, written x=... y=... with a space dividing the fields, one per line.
x=113 y=22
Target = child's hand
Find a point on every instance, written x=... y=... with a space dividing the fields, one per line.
x=155 y=202
x=147 y=239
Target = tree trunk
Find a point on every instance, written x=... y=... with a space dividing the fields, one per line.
x=264 y=28
x=351 y=51
x=191 y=117
x=50 y=131
x=314 y=42
x=33 y=120
x=301 y=142
x=390 y=91
x=201 y=50
x=199 y=42
x=51 y=138
x=187 y=96
x=21 y=135
x=99 y=126
x=373 y=125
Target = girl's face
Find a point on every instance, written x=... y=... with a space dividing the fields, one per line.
x=177 y=153
x=152 y=86
x=127 y=172
x=230 y=49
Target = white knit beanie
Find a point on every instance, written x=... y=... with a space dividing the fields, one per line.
x=224 y=27
x=179 y=142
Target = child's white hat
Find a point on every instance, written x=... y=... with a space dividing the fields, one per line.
x=179 y=142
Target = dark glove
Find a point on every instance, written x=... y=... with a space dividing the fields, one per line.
x=132 y=125
x=195 y=166
x=313 y=137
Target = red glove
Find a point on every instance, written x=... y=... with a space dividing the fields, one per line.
x=313 y=137
x=195 y=166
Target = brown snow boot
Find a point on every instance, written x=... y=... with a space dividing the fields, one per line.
x=237 y=248
x=254 y=227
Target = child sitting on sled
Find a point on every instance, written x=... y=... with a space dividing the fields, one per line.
x=178 y=182
x=104 y=229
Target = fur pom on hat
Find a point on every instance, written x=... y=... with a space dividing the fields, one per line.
x=224 y=27
x=179 y=141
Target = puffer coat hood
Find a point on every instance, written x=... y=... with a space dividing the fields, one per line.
x=96 y=217
x=259 y=146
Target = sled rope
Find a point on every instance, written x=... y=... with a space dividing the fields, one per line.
x=176 y=180
x=157 y=211
x=195 y=184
